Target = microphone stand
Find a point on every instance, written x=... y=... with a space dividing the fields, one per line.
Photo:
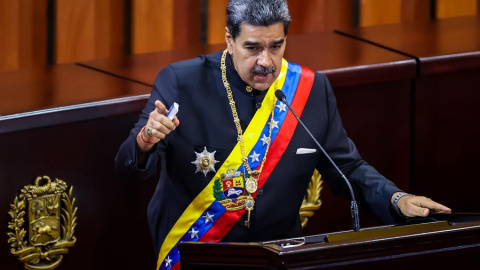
x=353 y=204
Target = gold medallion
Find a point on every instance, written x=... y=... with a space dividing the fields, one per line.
x=251 y=185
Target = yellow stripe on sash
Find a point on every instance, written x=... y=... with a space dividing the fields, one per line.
x=234 y=160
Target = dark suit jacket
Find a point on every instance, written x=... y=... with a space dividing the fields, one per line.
x=206 y=121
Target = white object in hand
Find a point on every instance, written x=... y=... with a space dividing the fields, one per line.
x=172 y=111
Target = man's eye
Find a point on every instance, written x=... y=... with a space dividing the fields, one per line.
x=276 y=47
x=252 y=49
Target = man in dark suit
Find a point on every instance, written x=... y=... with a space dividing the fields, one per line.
x=238 y=167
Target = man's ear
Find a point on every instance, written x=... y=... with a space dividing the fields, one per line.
x=229 y=40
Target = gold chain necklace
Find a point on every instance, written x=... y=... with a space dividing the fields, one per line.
x=251 y=183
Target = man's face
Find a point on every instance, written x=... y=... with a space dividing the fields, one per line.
x=256 y=52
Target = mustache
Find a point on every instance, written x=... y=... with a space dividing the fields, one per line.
x=262 y=70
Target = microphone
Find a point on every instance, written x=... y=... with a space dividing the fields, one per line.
x=353 y=204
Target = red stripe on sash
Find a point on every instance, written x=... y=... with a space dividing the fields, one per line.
x=176 y=266
x=224 y=224
x=290 y=123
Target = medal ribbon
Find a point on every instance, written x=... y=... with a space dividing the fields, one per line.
x=205 y=219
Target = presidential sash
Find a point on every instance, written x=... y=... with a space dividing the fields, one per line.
x=219 y=206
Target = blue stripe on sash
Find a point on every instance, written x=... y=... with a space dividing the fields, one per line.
x=289 y=87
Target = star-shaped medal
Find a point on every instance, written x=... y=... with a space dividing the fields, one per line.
x=205 y=161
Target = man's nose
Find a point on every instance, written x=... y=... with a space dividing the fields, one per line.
x=264 y=59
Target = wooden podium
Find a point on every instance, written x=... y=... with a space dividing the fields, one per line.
x=441 y=241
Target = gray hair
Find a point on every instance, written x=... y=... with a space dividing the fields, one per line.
x=256 y=13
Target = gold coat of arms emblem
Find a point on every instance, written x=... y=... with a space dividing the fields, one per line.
x=43 y=221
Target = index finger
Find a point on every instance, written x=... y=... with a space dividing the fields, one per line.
x=160 y=107
x=430 y=204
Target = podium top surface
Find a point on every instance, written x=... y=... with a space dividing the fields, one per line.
x=441 y=226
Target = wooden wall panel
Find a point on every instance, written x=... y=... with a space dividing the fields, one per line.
x=307 y=16
x=94 y=29
x=33 y=34
x=413 y=11
x=9 y=18
x=216 y=19
x=75 y=30
x=374 y=12
x=23 y=34
x=87 y=29
x=109 y=28
x=152 y=25
x=320 y=15
x=449 y=8
x=186 y=23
